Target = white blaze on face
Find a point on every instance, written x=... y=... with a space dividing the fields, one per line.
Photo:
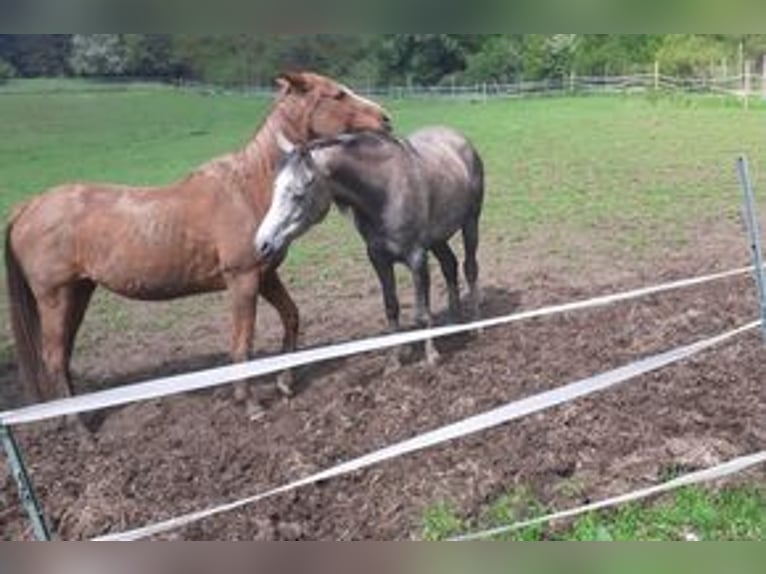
x=301 y=198
x=362 y=99
x=281 y=220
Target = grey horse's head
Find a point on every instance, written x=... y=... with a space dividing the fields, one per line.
x=301 y=198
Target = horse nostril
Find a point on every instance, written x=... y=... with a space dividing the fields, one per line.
x=265 y=248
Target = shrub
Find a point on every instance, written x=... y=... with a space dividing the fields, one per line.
x=7 y=71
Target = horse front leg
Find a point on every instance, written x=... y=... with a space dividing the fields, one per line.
x=422 y=281
x=384 y=268
x=274 y=291
x=243 y=289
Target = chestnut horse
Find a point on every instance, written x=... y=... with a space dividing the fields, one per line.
x=193 y=236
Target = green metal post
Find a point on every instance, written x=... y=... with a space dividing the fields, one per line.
x=751 y=220
x=26 y=492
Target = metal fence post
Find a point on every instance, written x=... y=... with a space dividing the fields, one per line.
x=751 y=221
x=26 y=492
x=656 y=75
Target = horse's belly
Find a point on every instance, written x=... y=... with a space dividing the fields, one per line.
x=149 y=257
x=153 y=278
x=151 y=290
x=444 y=224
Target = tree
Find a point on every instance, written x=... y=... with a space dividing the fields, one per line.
x=559 y=54
x=692 y=54
x=422 y=58
x=498 y=59
x=151 y=55
x=258 y=59
x=34 y=55
x=98 y=55
x=7 y=71
x=333 y=54
x=600 y=54
x=220 y=59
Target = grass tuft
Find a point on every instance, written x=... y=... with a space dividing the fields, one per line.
x=690 y=514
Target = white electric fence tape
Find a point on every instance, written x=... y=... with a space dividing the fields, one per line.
x=710 y=474
x=209 y=378
x=460 y=429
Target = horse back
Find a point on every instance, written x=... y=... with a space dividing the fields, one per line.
x=449 y=173
x=146 y=243
x=446 y=153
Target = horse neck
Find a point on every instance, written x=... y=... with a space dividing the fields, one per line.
x=350 y=183
x=260 y=156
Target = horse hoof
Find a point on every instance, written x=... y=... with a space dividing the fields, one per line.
x=393 y=365
x=254 y=412
x=407 y=353
x=285 y=383
x=432 y=353
x=85 y=437
x=434 y=359
x=88 y=442
x=240 y=393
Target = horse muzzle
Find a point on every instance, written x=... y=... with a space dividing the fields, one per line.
x=267 y=250
x=388 y=125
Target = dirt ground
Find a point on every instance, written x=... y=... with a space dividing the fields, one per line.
x=159 y=459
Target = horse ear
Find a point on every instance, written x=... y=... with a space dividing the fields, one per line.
x=309 y=158
x=285 y=144
x=294 y=80
x=283 y=86
x=314 y=165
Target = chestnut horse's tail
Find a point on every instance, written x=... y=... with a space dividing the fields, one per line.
x=25 y=321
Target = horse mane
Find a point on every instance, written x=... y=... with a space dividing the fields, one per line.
x=254 y=160
x=348 y=142
x=353 y=140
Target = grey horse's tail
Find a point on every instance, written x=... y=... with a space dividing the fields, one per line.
x=25 y=321
x=471 y=231
x=478 y=173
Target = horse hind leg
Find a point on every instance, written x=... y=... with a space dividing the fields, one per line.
x=56 y=310
x=81 y=297
x=61 y=312
x=449 y=266
x=471 y=265
x=274 y=291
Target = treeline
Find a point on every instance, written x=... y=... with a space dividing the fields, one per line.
x=373 y=59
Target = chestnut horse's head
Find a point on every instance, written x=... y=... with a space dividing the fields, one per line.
x=328 y=108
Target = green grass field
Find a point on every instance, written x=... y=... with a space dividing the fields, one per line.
x=630 y=174
x=637 y=166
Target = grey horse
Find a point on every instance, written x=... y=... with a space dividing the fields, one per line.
x=407 y=196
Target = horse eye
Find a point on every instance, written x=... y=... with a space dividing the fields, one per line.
x=308 y=179
x=340 y=95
